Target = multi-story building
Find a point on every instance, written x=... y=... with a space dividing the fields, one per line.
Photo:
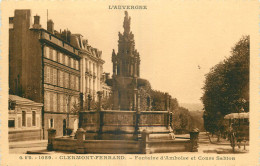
x=91 y=66
x=106 y=89
x=45 y=68
x=52 y=68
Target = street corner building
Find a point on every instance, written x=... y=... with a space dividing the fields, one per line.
x=53 y=68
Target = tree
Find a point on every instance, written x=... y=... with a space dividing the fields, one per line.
x=158 y=103
x=197 y=119
x=107 y=103
x=174 y=104
x=181 y=120
x=226 y=89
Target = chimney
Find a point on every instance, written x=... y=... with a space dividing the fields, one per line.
x=11 y=22
x=50 y=26
x=22 y=19
x=36 y=23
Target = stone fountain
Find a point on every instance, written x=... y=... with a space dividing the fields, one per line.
x=128 y=127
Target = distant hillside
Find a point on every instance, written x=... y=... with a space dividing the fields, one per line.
x=192 y=106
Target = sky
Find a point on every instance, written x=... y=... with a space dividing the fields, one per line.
x=173 y=38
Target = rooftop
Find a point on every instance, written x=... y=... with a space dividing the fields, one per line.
x=23 y=101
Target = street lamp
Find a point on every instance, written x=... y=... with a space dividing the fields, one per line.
x=68 y=111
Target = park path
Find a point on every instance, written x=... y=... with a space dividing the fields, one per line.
x=222 y=147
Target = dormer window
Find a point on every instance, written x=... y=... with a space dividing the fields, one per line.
x=11 y=105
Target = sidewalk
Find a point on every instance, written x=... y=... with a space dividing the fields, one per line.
x=27 y=142
x=23 y=146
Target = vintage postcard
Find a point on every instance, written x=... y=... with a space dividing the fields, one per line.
x=116 y=82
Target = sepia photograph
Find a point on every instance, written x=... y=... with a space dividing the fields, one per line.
x=129 y=81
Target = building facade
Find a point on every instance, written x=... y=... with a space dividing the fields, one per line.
x=106 y=89
x=91 y=66
x=45 y=68
x=24 y=121
x=52 y=68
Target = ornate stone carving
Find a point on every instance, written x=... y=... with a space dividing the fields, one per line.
x=152 y=119
x=127 y=22
x=118 y=119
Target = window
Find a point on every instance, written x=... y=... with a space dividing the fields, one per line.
x=54 y=56
x=48 y=74
x=51 y=75
x=24 y=118
x=11 y=123
x=77 y=83
x=47 y=52
x=11 y=105
x=63 y=58
x=33 y=118
x=66 y=60
x=72 y=83
x=71 y=62
x=78 y=65
x=46 y=101
x=51 y=53
x=51 y=123
x=55 y=102
x=66 y=80
x=61 y=78
x=51 y=101
x=61 y=107
x=60 y=57
x=65 y=103
x=54 y=77
x=45 y=74
x=72 y=103
x=75 y=64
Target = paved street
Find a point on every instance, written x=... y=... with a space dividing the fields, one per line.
x=24 y=146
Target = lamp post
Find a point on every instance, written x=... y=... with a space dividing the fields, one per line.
x=68 y=111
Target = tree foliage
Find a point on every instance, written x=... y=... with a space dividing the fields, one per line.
x=158 y=101
x=197 y=119
x=226 y=89
x=107 y=103
x=182 y=121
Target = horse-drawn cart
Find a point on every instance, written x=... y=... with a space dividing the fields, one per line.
x=238 y=129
